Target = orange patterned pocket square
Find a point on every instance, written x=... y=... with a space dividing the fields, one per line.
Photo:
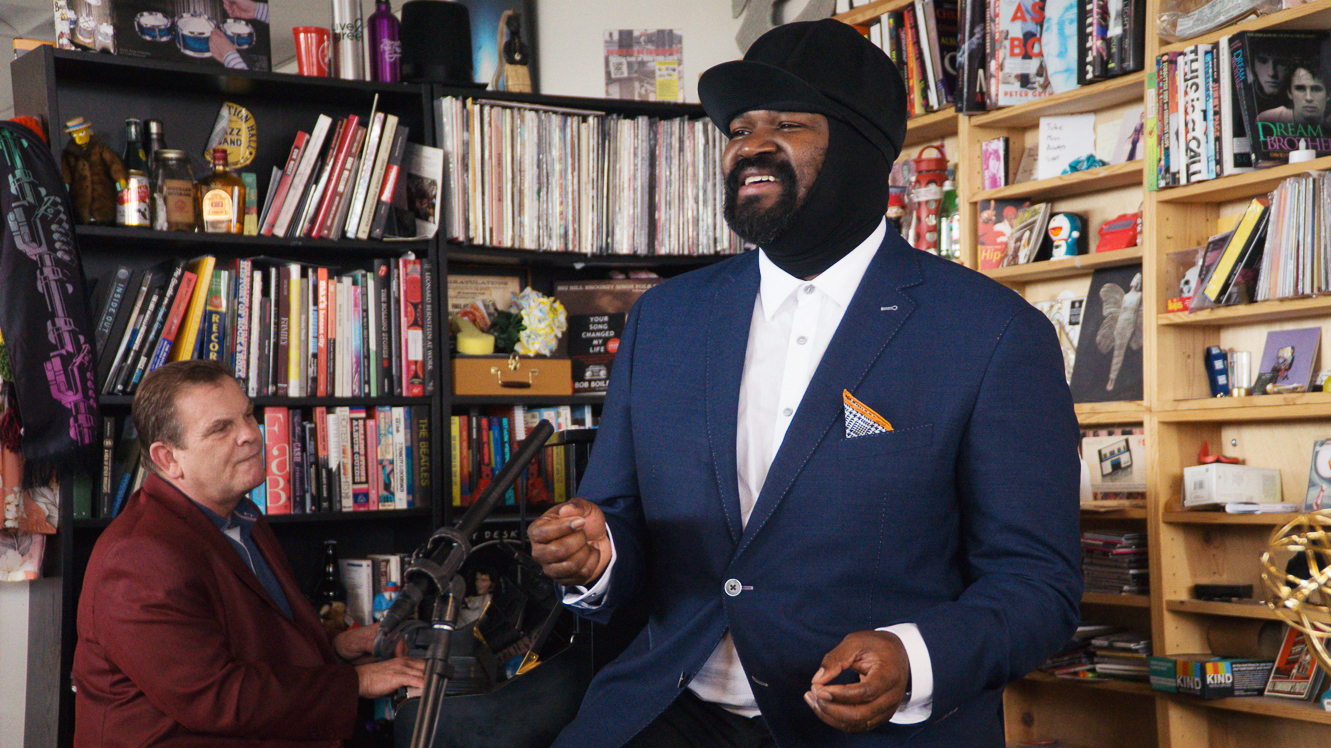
x=861 y=420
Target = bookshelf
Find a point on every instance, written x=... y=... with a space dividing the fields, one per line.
x=56 y=85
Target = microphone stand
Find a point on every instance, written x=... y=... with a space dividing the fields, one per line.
x=434 y=568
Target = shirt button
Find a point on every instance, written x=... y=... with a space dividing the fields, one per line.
x=732 y=587
x=786 y=412
x=808 y=289
x=801 y=340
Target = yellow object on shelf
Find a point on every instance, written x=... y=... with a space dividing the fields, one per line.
x=471 y=341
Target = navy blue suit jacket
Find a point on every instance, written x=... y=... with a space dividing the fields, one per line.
x=963 y=519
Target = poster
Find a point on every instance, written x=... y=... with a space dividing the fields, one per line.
x=645 y=65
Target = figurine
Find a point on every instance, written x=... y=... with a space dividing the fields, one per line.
x=1065 y=230
x=511 y=74
x=92 y=171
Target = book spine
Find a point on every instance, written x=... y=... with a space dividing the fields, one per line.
x=1238 y=47
x=360 y=478
x=345 y=464
x=1223 y=275
x=277 y=447
x=115 y=297
x=455 y=457
x=1194 y=118
x=385 y=457
x=392 y=173
x=321 y=452
x=299 y=180
x=377 y=175
x=400 y=457
x=295 y=333
x=428 y=325
x=1151 y=134
x=299 y=486
x=361 y=184
x=214 y=319
x=335 y=202
x=1212 y=96
x=371 y=459
x=106 y=492
x=244 y=290
x=337 y=153
x=280 y=194
x=413 y=344
x=142 y=329
x=423 y=454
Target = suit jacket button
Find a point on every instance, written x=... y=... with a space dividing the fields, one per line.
x=732 y=587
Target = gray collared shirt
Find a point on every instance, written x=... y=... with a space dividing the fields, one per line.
x=238 y=529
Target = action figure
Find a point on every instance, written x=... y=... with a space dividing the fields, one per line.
x=511 y=72
x=92 y=172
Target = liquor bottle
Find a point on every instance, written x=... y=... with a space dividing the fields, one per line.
x=385 y=47
x=949 y=219
x=222 y=199
x=154 y=140
x=134 y=199
x=173 y=192
x=330 y=588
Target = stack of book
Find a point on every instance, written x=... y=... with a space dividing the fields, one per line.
x=1014 y=51
x=484 y=439
x=1246 y=101
x=922 y=40
x=1125 y=655
x=344 y=179
x=1115 y=562
x=284 y=329
x=345 y=459
x=532 y=177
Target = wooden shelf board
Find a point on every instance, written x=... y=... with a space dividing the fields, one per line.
x=1239 y=186
x=1314 y=15
x=1111 y=412
x=1128 y=513
x=596 y=399
x=472 y=253
x=1225 y=518
x=1262 y=311
x=1298 y=406
x=931 y=127
x=1231 y=610
x=1088 y=98
x=1105 y=684
x=1067 y=185
x=867 y=13
x=1268 y=706
x=1066 y=267
x=1127 y=601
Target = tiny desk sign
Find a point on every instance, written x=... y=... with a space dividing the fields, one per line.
x=1064 y=139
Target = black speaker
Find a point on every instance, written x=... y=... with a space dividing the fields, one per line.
x=436 y=42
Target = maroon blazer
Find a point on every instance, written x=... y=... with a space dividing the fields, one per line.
x=179 y=644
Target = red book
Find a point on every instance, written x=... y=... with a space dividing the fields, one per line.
x=284 y=184
x=330 y=362
x=320 y=456
x=413 y=333
x=328 y=224
x=172 y=326
x=371 y=459
x=338 y=159
x=487 y=467
x=277 y=445
x=321 y=352
x=464 y=460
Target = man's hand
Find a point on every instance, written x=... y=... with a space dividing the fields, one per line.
x=239 y=8
x=880 y=659
x=382 y=678
x=219 y=45
x=570 y=542
x=355 y=643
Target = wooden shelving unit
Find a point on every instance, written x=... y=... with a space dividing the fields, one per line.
x=1245 y=314
x=1239 y=186
x=1312 y=16
x=1300 y=406
x=1231 y=610
x=1126 y=601
x=931 y=127
x=1224 y=518
x=1103 y=95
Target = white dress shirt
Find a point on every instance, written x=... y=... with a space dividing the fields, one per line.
x=793 y=322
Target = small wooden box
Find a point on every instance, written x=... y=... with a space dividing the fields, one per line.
x=505 y=375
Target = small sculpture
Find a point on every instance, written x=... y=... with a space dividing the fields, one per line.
x=1065 y=230
x=92 y=171
x=511 y=72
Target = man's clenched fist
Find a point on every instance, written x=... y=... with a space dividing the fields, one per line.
x=570 y=542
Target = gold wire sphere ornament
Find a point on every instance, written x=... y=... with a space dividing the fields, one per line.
x=1304 y=604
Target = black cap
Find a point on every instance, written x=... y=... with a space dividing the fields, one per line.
x=823 y=66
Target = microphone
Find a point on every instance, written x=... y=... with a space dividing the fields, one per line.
x=445 y=559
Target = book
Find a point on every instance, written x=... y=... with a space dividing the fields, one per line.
x=1289 y=358
x=278 y=198
x=1283 y=99
x=1318 y=495
x=301 y=176
x=1022 y=76
x=388 y=187
x=122 y=329
x=188 y=337
x=1296 y=674
x=994 y=163
x=370 y=201
x=1059 y=45
x=1108 y=364
x=996 y=220
x=412 y=318
x=1246 y=236
x=971 y=53
x=1065 y=313
x=367 y=163
x=424 y=165
x=1028 y=235
x=277 y=453
x=112 y=289
x=358 y=578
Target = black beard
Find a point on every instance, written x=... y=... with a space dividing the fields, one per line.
x=754 y=224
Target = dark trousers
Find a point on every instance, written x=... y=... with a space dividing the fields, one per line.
x=691 y=722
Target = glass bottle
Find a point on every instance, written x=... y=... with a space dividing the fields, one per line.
x=330 y=588
x=173 y=191
x=154 y=140
x=949 y=218
x=133 y=200
x=221 y=199
x=385 y=47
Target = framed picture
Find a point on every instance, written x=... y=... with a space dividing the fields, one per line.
x=1108 y=364
x=1288 y=360
x=486 y=36
x=1295 y=675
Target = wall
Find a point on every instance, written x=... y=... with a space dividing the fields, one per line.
x=571 y=53
x=13 y=662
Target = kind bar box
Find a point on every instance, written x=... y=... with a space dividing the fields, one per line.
x=1208 y=676
x=596 y=313
x=172 y=30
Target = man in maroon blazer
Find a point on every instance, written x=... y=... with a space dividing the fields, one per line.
x=191 y=627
